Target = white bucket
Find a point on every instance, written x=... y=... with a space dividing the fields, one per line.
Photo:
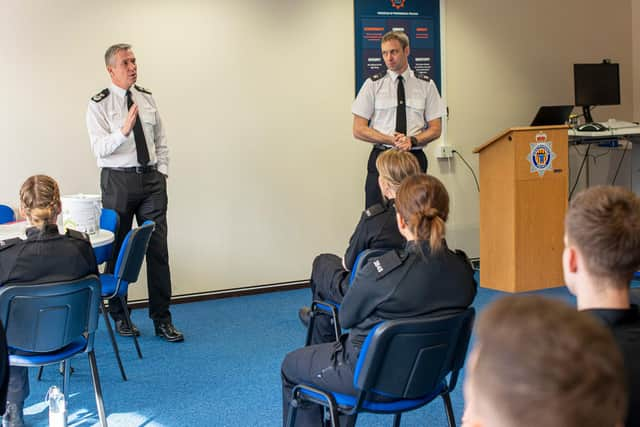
x=82 y=212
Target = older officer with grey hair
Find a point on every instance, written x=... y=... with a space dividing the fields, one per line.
x=128 y=139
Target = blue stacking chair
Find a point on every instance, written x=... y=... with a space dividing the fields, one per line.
x=330 y=307
x=6 y=214
x=51 y=323
x=405 y=363
x=126 y=271
x=109 y=220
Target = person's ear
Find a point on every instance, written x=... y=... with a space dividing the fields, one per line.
x=572 y=259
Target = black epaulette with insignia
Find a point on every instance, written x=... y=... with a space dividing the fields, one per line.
x=378 y=76
x=100 y=96
x=4 y=244
x=143 y=90
x=386 y=263
x=374 y=210
x=422 y=76
x=77 y=234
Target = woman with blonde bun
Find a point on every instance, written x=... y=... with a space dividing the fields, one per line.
x=45 y=256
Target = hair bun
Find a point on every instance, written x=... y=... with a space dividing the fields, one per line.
x=431 y=213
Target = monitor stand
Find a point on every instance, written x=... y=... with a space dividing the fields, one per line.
x=586 y=113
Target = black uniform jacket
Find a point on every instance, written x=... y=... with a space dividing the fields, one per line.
x=377 y=229
x=625 y=325
x=406 y=283
x=46 y=256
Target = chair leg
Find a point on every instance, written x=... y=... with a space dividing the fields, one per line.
x=97 y=389
x=447 y=406
x=293 y=410
x=113 y=340
x=396 y=419
x=40 y=373
x=66 y=366
x=127 y=317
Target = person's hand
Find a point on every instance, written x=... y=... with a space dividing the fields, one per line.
x=130 y=121
x=402 y=142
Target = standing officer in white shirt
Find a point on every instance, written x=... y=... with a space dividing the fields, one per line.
x=127 y=137
x=398 y=109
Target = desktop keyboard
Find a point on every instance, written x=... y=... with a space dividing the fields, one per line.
x=620 y=124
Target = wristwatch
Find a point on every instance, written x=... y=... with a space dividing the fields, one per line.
x=414 y=141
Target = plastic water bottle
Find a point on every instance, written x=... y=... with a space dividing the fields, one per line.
x=57 y=407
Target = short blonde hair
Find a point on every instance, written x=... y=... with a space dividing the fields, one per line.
x=400 y=36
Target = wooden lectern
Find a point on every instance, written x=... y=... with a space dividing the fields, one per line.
x=523 y=199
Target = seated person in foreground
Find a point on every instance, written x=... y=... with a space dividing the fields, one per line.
x=45 y=256
x=602 y=252
x=538 y=362
x=424 y=277
x=377 y=229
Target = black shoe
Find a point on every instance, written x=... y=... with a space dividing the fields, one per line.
x=304 y=314
x=123 y=329
x=169 y=332
x=13 y=417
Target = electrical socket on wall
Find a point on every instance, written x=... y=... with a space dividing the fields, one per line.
x=445 y=152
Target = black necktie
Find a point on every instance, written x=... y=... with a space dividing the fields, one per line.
x=141 y=143
x=401 y=111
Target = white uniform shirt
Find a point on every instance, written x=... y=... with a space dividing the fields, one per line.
x=377 y=102
x=105 y=118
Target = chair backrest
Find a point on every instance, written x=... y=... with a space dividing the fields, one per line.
x=46 y=317
x=6 y=214
x=409 y=358
x=109 y=220
x=132 y=252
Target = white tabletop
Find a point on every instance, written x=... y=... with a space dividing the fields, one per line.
x=17 y=229
x=617 y=129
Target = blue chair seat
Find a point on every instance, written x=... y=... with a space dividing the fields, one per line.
x=110 y=285
x=349 y=402
x=39 y=359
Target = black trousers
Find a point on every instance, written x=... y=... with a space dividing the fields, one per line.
x=329 y=282
x=371 y=188
x=18 y=389
x=143 y=195
x=326 y=366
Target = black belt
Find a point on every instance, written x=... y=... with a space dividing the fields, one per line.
x=136 y=169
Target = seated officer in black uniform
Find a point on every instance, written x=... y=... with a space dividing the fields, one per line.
x=377 y=229
x=422 y=278
x=45 y=256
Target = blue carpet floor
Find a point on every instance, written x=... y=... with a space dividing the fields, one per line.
x=226 y=373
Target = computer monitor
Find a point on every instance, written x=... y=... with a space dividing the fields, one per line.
x=596 y=84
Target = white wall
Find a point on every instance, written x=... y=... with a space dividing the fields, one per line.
x=256 y=97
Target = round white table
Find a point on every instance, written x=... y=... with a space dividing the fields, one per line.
x=17 y=229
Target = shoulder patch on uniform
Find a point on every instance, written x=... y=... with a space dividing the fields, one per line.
x=374 y=210
x=77 y=234
x=100 y=96
x=386 y=263
x=143 y=90
x=378 y=76
x=422 y=76
x=4 y=244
